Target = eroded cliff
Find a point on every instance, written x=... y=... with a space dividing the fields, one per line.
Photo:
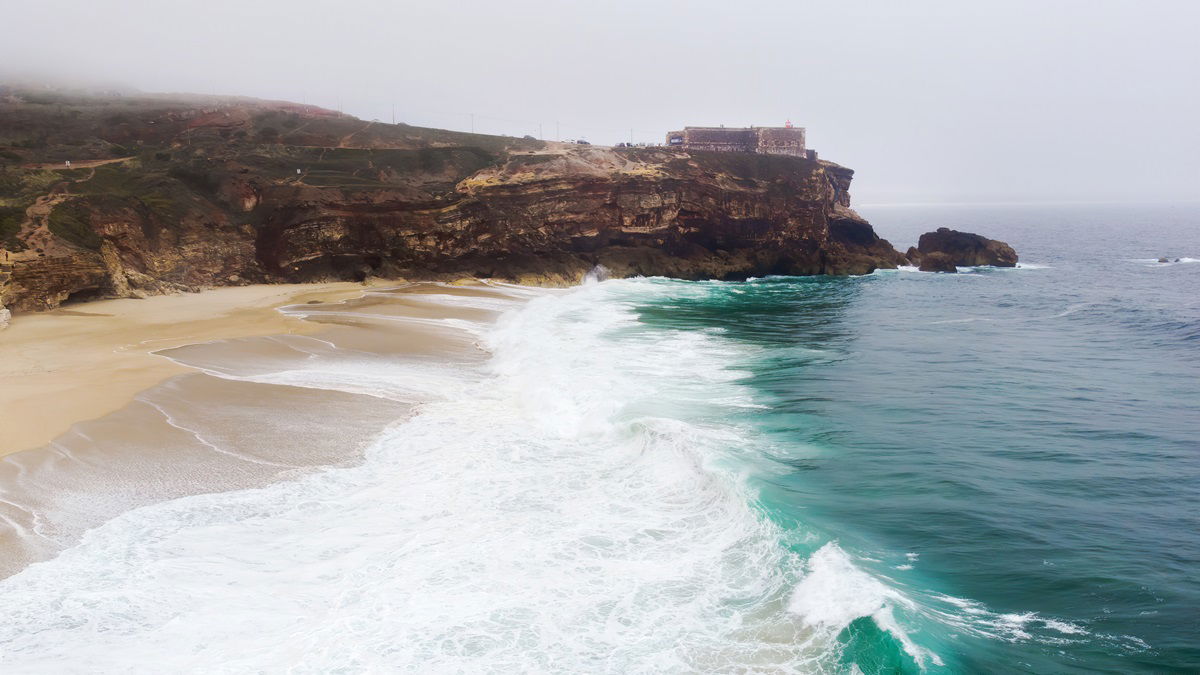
x=165 y=195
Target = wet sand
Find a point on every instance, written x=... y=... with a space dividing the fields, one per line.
x=114 y=405
x=83 y=361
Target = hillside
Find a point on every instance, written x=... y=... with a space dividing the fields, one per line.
x=171 y=193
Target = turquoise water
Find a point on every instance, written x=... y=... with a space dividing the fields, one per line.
x=994 y=471
x=1017 y=451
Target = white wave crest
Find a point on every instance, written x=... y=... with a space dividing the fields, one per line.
x=834 y=593
x=565 y=507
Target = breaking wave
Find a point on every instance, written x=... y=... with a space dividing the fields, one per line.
x=585 y=499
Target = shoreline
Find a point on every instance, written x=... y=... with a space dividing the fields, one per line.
x=126 y=403
x=79 y=363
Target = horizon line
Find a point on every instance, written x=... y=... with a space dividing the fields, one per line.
x=1032 y=203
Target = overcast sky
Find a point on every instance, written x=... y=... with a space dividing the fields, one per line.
x=964 y=101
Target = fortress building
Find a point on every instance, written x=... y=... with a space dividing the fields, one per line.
x=786 y=140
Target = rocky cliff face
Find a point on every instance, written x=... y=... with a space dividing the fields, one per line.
x=168 y=195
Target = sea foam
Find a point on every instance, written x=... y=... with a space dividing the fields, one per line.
x=581 y=500
x=561 y=507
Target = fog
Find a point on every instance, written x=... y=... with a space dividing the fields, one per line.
x=982 y=101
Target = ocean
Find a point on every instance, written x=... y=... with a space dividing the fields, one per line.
x=991 y=471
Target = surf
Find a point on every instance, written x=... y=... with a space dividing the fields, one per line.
x=555 y=507
x=587 y=495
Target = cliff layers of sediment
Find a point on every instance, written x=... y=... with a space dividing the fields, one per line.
x=175 y=194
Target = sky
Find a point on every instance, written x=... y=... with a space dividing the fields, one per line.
x=979 y=101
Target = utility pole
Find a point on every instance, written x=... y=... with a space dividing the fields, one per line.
x=540 y=137
x=631 y=135
x=472 y=122
x=393 y=114
x=557 y=135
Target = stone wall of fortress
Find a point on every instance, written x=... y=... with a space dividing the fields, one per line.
x=777 y=141
x=760 y=140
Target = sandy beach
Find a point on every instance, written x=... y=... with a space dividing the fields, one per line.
x=113 y=405
x=84 y=361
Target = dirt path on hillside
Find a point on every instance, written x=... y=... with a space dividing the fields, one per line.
x=346 y=139
x=35 y=231
x=82 y=164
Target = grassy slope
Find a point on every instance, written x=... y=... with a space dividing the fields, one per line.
x=183 y=148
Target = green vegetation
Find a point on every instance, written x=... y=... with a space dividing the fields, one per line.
x=71 y=221
x=19 y=187
x=73 y=174
x=11 y=218
x=161 y=193
x=35 y=143
x=361 y=168
x=197 y=176
x=176 y=172
x=162 y=204
x=338 y=179
x=111 y=179
x=10 y=187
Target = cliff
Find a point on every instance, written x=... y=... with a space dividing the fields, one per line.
x=169 y=194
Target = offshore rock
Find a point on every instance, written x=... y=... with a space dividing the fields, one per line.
x=170 y=194
x=964 y=249
x=938 y=262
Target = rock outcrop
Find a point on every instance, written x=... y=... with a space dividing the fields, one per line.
x=169 y=195
x=938 y=262
x=962 y=249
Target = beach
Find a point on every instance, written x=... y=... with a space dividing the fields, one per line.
x=83 y=361
x=113 y=405
x=787 y=474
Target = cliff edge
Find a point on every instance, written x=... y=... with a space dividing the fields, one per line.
x=164 y=194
